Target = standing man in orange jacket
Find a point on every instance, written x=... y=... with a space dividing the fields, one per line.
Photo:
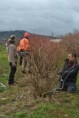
x=24 y=50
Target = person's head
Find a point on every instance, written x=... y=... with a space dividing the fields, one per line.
x=12 y=37
x=26 y=35
x=72 y=56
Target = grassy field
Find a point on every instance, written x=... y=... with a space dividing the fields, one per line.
x=17 y=102
x=4 y=68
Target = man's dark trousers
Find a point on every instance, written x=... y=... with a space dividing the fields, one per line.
x=12 y=73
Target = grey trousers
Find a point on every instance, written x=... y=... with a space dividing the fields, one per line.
x=26 y=63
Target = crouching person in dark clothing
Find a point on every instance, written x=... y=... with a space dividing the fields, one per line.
x=12 y=57
x=69 y=74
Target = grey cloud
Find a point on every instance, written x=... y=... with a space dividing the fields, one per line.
x=39 y=16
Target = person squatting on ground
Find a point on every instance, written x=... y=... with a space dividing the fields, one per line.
x=12 y=58
x=24 y=51
x=69 y=74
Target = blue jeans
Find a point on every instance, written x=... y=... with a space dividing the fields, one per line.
x=71 y=87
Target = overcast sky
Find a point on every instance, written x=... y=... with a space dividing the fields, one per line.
x=40 y=16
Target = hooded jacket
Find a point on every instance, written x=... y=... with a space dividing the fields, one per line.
x=70 y=71
x=12 y=54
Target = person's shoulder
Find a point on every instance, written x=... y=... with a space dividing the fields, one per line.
x=23 y=39
x=8 y=41
x=12 y=46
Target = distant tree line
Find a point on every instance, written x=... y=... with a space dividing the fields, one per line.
x=6 y=34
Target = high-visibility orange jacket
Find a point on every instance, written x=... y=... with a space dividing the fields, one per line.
x=23 y=45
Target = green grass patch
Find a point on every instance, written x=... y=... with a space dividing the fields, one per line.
x=50 y=110
x=20 y=115
x=55 y=111
x=4 y=67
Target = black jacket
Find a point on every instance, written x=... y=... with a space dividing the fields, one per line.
x=70 y=71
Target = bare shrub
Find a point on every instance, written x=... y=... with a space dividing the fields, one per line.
x=45 y=59
x=71 y=43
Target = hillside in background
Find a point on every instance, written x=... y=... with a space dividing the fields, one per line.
x=19 y=33
x=6 y=34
